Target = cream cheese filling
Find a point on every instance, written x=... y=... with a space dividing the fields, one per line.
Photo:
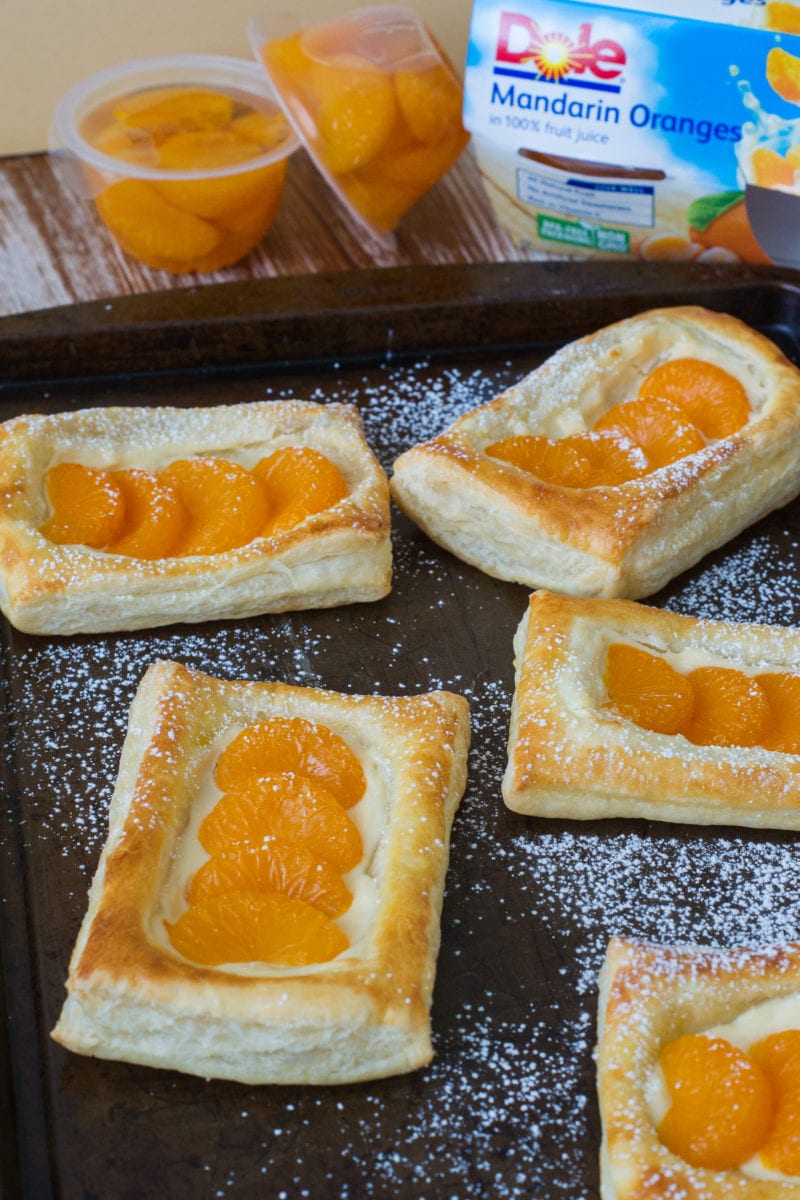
x=157 y=458
x=772 y=1016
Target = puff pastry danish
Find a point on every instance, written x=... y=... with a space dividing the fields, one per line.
x=337 y=556
x=629 y=538
x=652 y=996
x=361 y=1014
x=573 y=752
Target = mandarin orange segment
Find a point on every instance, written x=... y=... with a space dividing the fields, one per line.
x=783 y=74
x=247 y=226
x=128 y=145
x=88 y=506
x=226 y=504
x=295 y=71
x=400 y=172
x=782 y=690
x=730 y=708
x=299 y=482
x=151 y=229
x=591 y=459
x=559 y=462
x=782 y=16
x=174 y=109
x=430 y=101
x=613 y=458
x=241 y=230
x=277 y=866
x=660 y=427
x=357 y=111
x=267 y=130
x=383 y=208
x=291 y=809
x=713 y=399
x=126 y=105
x=203 y=150
x=225 y=195
x=155 y=518
x=778 y=1055
x=291 y=744
x=771 y=169
x=721 y=1108
x=644 y=688
x=243 y=926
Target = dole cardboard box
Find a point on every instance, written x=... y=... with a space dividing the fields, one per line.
x=667 y=133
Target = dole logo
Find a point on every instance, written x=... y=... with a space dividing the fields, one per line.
x=555 y=55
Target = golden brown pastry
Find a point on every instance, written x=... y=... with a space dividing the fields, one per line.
x=622 y=540
x=338 y=556
x=650 y=996
x=572 y=754
x=362 y=1014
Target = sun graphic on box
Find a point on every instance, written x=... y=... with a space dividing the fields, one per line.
x=554 y=55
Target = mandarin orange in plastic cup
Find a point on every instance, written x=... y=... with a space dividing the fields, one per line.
x=184 y=157
x=376 y=104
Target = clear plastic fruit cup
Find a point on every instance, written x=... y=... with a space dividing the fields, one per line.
x=184 y=157
x=376 y=103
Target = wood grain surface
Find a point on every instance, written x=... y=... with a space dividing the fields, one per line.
x=54 y=249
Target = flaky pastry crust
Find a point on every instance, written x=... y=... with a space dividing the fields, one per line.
x=364 y=1014
x=338 y=556
x=627 y=540
x=650 y=995
x=571 y=756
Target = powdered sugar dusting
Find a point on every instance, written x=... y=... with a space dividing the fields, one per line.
x=404 y=405
x=754 y=580
x=73 y=706
x=712 y=890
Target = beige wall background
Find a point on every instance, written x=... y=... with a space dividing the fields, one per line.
x=46 y=46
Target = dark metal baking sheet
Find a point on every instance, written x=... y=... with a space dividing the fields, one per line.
x=507 y=1109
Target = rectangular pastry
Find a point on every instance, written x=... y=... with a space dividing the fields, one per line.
x=698 y=1064
x=622 y=710
x=267 y=905
x=619 y=462
x=128 y=518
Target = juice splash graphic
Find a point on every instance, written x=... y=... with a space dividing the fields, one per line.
x=768 y=158
x=769 y=151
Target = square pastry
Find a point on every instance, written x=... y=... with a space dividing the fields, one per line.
x=128 y=518
x=698 y=1064
x=267 y=905
x=622 y=710
x=620 y=462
